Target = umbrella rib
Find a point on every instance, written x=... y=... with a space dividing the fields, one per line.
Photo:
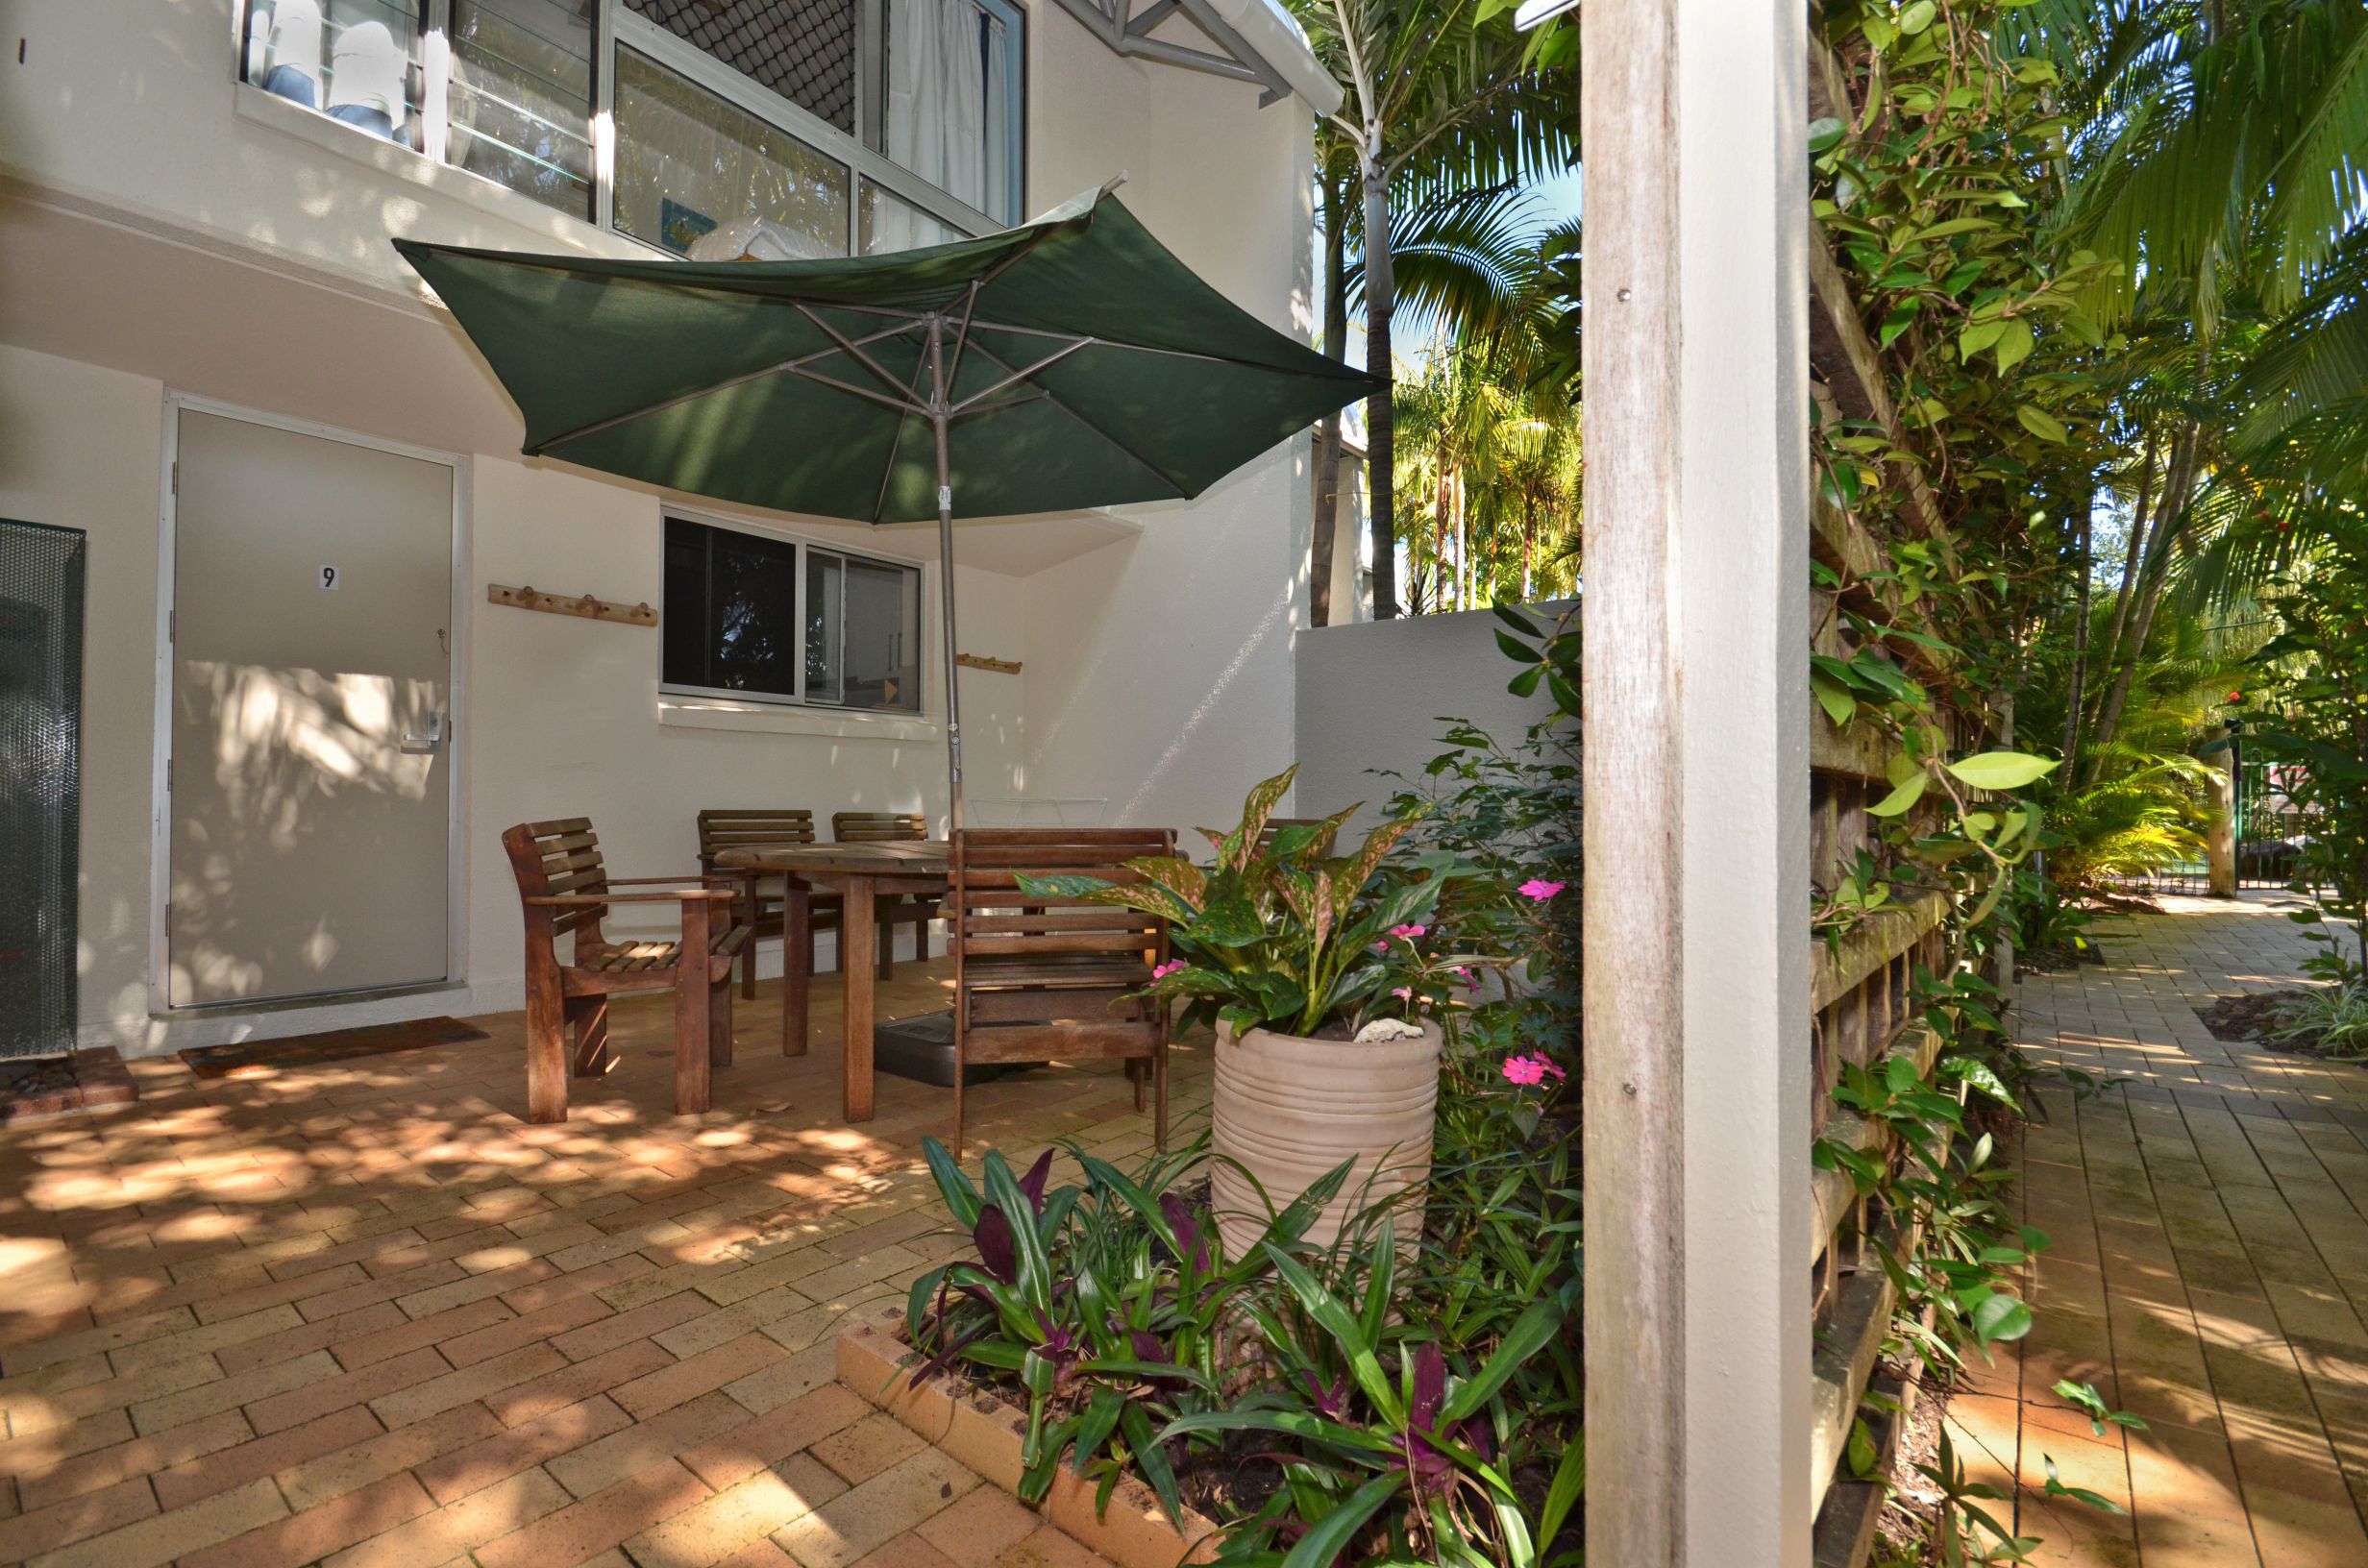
x=1016 y=376
x=860 y=357
x=854 y=391
x=895 y=442
x=1121 y=447
x=792 y=367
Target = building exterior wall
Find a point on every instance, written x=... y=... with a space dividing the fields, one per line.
x=162 y=232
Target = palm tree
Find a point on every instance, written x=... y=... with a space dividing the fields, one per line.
x=1439 y=103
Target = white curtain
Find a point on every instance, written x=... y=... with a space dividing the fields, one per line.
x=937 y=110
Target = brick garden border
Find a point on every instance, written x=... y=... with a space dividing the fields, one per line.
x=100 y=1080
x=973 y=1425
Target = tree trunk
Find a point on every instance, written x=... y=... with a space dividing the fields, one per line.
x=1529 y=545
x=1330 y=456
x=2178 y=485
x=2074 y=696
x=2133 y=548
x=1380 y=421
x=1464 y=571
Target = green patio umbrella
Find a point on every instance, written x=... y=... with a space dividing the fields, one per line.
x=1070 y=362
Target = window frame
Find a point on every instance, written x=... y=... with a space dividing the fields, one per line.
x=807 y=545
x=616 y=27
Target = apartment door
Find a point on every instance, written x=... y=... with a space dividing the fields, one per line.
x=309 y=784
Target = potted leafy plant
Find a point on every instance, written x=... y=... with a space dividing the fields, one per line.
x=1325 y=980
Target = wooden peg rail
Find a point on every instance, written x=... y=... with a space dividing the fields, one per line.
x=980 y=661
x=586 y=605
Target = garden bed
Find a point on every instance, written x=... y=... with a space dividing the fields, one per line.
x=972 y=1424
x=2263 y=1019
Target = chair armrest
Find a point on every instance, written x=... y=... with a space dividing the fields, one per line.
x=569 y=899
x=675 y=881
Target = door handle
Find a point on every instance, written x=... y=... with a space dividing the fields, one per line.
x=417 y=744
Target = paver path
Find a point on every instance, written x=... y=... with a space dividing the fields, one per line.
x=2209 y=1267
x=359 y=1313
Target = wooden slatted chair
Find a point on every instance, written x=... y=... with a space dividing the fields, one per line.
x=566 y=889
x=720 y=830
x=1276 y=824
x=1046 y=980
x=919 y=906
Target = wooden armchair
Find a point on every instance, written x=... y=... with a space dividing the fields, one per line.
x=745 y=829
x=918 y=907
x=565 y=890
x=1038 y=980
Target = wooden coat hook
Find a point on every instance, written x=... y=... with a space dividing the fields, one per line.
x=980 y=661
x=584 y=605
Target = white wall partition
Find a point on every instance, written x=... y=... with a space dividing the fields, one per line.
x=1372 y=696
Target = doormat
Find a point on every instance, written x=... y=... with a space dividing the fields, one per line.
x=51 y=1086
x=256 y=1058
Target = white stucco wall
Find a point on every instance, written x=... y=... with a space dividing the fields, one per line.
x=160 y=236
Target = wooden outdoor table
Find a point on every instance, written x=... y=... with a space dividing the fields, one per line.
x=856 y=873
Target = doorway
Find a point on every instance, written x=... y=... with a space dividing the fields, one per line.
x=308 y=772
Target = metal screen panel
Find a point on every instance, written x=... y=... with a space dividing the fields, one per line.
x=40 y=784
x=802 y=49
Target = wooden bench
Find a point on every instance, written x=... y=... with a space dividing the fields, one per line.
x=565 y=890
x=1046 y=980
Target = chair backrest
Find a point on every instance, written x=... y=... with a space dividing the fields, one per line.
x=1276 y=824
x=988 y=917
x=558 y=857
x=746 y=829
x=878 y=826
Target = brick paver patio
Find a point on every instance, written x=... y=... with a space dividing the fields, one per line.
x=2209 y=1272
x=363 y=1313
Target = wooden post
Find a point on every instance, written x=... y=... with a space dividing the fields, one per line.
x=858 y=930
x=1697 y=1052
x=797 y=964
x=693 y=1092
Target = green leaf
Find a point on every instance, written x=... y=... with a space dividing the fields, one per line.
x=1347 y=1334
x=2041 y=423
x=1331 y=1534
x=1537 y=1324
x=1999 y=1315
x=1982 y=334
x=2002 y=769
x=1902 y=797
x=961 y=1197
x=2015 y=344
x=1915 y=18
x=1569 y=1485
x=1824 y=135
x=1839 y=705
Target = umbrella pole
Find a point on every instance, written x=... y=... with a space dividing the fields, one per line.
x=940 y=413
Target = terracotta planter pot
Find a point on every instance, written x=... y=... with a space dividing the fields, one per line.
x=1290 y=1109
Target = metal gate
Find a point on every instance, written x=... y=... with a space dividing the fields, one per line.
x=40 y=784
x=2270 y=827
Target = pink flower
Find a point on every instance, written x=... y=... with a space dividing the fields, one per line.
x=1381 y=946
x=1406 y=932
x=1531 y=1069
x=1537 y=891
x=1404 y=994
x=1171 y=966
x=1471 y=981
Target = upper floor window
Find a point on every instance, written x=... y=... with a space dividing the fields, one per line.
x=808 y=126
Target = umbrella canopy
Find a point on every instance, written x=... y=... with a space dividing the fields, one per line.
x=1085 y=366
x=1070 y=362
